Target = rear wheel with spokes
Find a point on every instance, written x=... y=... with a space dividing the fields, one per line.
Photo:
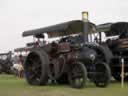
x=35 y=68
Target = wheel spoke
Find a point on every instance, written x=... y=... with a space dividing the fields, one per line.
x=35 y=74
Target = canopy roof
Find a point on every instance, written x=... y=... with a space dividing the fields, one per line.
x=104 y=27
x=21 y=49
x=30 y=44
x=63 y=29
x=112 y=29
x=4 y=53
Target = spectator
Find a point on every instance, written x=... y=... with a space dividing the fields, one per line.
x=18 y=70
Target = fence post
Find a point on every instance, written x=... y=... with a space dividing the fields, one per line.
x=122 y=72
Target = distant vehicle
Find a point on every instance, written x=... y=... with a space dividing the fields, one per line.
x=71 y=59
x=117 y=46
x=6 y=62
x=21 y=54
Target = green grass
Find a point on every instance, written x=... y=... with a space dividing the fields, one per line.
x=11 y=86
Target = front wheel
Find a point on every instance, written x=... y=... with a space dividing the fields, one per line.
x=102 y=74
x=77 y=75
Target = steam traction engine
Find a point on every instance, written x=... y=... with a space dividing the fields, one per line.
x=68 y=60
x=117 y=42
x=6 y=62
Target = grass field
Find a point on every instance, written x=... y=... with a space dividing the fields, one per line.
x=11 y=86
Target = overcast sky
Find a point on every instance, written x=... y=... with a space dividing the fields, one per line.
x=17 y=16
